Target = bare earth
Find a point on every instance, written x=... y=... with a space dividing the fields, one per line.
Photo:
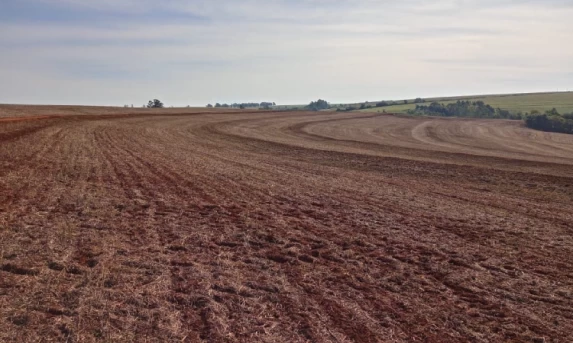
x=173 y=226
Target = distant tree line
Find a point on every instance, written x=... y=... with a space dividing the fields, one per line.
x=464 y=108
x=364 y=105
x=244 y=105
x=392 y=103
x=550 y=121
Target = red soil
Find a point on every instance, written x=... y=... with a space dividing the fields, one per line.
x=167 y=226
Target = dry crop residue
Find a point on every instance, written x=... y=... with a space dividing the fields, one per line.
x=284 y=227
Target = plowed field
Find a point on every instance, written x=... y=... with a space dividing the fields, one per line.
x=164 y=226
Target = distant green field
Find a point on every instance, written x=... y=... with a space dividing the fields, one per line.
x=562 y=101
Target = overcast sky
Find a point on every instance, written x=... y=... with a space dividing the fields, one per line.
x=115 y=52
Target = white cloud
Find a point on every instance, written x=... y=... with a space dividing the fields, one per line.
x=287 y=51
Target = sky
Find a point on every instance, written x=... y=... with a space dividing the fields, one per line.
x=195 y=52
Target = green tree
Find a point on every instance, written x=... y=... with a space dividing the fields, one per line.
x=155 y=104
x=318 y=105
x=550 y=121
